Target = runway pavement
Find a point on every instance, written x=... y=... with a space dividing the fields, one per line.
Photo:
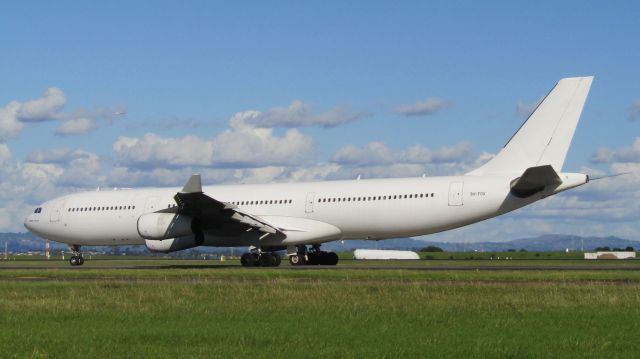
x=537 y=267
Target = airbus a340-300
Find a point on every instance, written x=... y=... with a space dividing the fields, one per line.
x=299 y=217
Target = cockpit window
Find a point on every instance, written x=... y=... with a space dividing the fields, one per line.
x=38 y=210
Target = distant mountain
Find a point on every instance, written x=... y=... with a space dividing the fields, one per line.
x=22 y=242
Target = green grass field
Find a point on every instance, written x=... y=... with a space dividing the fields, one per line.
x=229 y=311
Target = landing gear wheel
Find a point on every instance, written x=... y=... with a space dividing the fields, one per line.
x=278 y=259
x=296 y=260
x=76 y=260
x=267 y=260
x=249 y=260
x=331 y=258
x=315 y=258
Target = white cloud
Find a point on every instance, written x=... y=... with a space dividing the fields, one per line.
x=624 y=154
x=634 y=110
x=49 y=108
x=5 y=154
x=378 y=153
x=241 y=146
x=427 y=107
x=56 y=155
x=153 y=150
x=9 y=124
x=371 y=154
x=299 y=114
x=76 y=126
x=43 y=109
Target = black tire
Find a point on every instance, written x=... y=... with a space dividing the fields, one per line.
x=315 y=258
x=247 y=260
x=73 y=260
x=267 y=260
x=330 y=258
x=277 y=258
x=80 y=260
x=256 y=259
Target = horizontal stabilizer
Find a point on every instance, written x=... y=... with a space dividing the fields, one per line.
x=534 y=180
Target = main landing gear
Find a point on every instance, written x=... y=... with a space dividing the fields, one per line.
x=76 y=259
x=260 y=259
x=312 y=256
x=298 y=256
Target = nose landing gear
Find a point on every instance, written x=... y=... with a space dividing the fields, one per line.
x=76 y=259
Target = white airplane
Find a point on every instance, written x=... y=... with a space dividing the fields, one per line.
x=272 y=217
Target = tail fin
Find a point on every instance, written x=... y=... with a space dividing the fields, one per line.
x=545 y=137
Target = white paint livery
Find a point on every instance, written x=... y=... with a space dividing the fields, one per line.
x=273 y=216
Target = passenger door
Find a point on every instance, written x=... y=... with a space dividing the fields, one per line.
x=308 y=207
x=455 y=193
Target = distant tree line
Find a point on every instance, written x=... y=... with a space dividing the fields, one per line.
x=431 y=249
x=615 y=249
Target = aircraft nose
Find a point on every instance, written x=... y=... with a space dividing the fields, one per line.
x=27 y=223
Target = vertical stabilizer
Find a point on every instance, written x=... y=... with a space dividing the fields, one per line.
x=545 y=137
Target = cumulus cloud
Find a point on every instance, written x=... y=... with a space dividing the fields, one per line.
x=299 y=114
x=50 y=108
x=242 y=145
x=634 y=110
x=10 y=126
x=624 y=154
x=76 y=126
x=57 y=155
x=71 y=167
x=43 y=109
x=426 y=107
x=378 y=153
x=5 y=154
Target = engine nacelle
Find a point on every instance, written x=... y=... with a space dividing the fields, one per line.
x=158 y=226
x=171 y=244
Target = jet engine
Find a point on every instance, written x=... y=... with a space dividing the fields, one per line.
x=171 y=244
x=159 y=226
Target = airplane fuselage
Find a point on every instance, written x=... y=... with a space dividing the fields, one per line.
x=310 y=212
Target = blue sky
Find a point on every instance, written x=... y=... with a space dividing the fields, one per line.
x=327 y=79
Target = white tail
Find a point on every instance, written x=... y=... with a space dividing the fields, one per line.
x=545 y=137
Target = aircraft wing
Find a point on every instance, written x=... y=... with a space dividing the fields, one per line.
x=211 y=214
